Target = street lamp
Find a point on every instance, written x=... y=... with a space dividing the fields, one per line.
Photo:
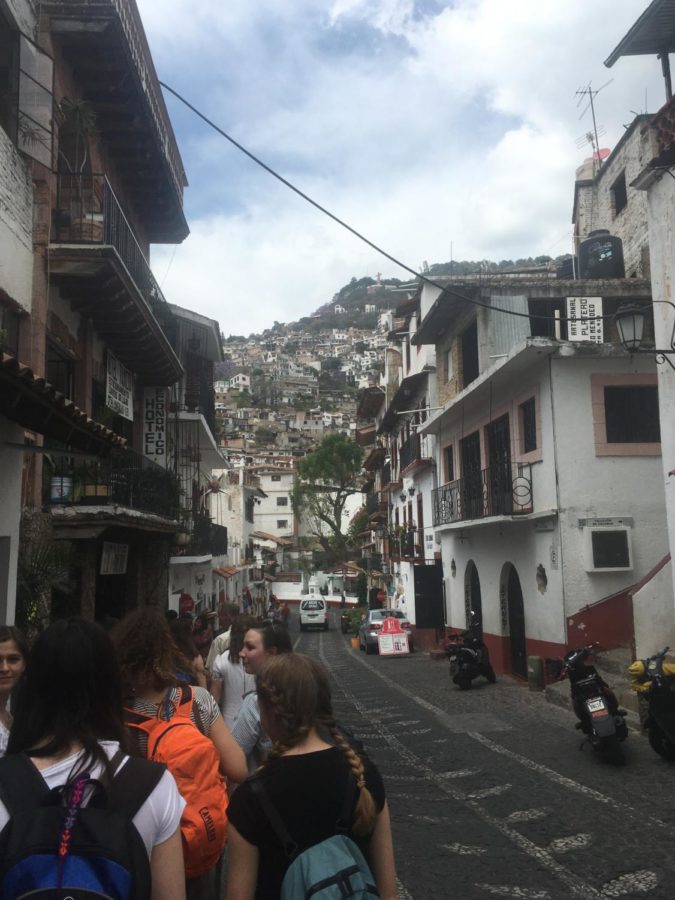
x=630 y=324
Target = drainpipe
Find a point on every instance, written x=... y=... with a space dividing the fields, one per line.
x=561 y=554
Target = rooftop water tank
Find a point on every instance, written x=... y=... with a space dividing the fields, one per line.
x=601 y=256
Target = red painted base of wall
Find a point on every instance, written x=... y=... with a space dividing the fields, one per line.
x=499 y=648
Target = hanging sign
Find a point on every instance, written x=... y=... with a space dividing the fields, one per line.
x=586 y=326
x=119 y=390
x=114 y=558
x=154 y=424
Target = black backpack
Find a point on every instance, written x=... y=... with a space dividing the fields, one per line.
x=102 y=854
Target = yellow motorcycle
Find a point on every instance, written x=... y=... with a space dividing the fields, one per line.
x=654 y=681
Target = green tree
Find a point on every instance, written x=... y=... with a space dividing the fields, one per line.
x=327 y=477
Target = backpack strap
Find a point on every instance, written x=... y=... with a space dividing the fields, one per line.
x=133 y=784
x=21 y=785
x=278 y=826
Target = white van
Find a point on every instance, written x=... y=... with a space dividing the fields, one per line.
x=313 y=613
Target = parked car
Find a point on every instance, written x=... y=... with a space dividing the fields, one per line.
x=313 y=613
x=371 y=625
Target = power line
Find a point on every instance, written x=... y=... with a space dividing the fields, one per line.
x=458 y=294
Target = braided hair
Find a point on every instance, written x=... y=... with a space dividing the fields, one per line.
x=294 y=694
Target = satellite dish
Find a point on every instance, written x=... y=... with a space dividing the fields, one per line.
x=602 y=153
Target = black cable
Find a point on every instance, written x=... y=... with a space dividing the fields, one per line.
x=459 y=294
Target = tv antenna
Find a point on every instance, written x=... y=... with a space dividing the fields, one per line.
x=591 y=136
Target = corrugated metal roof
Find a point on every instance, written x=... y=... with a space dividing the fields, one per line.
x=653 y=33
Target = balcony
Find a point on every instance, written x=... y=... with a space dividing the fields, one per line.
x=122 y=479
x=406 y=544
x=99 y=265
x=412 y=452
x=495 y=491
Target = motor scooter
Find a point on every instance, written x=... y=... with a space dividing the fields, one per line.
x=469 y=657
x=654 y=682
x=595 y=705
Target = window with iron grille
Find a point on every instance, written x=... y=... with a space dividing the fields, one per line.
x=449 y=465
x=632 y=414
x=282 y=501
x=282 y=523
x=610 y=549
x=528 y=425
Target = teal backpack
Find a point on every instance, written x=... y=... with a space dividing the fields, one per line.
x=334 y=869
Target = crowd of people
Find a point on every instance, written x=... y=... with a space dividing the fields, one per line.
x=201 y=730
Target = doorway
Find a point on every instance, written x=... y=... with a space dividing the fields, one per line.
x=499 y=467
x=516 y=611
x=473 y=602
x=472 y=485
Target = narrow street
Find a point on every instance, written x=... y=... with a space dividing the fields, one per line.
x=490 y=795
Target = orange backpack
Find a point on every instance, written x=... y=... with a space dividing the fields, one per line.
x=193 y=760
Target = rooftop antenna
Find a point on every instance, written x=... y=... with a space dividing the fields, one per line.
x=582 y=93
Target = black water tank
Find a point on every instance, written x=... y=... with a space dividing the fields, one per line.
x=601 y=256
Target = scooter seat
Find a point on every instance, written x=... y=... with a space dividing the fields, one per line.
x=622 y=712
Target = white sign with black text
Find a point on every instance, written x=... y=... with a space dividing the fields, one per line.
x=154 y=424
x=584 y=322
x=114 y=558
x=119 y=390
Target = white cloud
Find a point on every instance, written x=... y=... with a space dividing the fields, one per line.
x=419 y=129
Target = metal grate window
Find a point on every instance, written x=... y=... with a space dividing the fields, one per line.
x=632 y=415
x=528 y=421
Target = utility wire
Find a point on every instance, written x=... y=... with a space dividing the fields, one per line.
x=460 y=295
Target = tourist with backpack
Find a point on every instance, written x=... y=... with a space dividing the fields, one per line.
x=261 y=641
x=78 y=817
x=313 y=821
x=181 y=726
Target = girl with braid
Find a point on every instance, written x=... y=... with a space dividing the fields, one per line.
x=306 y=775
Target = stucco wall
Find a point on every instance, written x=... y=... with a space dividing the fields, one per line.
x=653 y=614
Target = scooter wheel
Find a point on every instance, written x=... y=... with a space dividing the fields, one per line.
x=491 y=677
x=661 y=744
x=464 y=684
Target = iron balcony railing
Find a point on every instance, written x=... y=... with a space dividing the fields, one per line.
x=411 y=451
x=88 y=212
x=495 y=491
x=406 y=543
x=123 y=478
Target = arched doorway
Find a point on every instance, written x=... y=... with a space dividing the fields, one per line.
x=472 y=598
x=516 y=613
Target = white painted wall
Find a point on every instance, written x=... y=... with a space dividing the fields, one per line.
x=653 y=614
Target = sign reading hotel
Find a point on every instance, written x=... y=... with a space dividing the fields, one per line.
x=154 y=424
x=119 y=389
x=586 y=326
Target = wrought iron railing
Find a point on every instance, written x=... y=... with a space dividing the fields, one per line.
x=406 y=543
x=123 y=478
x=410 y=451
x=495 y=491
x=88 y=212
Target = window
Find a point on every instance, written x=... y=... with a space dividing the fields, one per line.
x=60 y=371
x=619 y=194
x=449 y=369
x=469 y=343
x=282 y=523
x=282 y=501
x=632 y=414
x=528 y=426
x=276 y=477
x=608 y=549
x=449 y=464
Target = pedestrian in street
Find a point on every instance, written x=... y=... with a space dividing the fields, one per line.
x=260 y=642
x=202 y=635
x=229 y=669
x=308 y=772
x=227 y=615
x=68 y=721
x=195 y=673
x=149 y=661
x=14 y=651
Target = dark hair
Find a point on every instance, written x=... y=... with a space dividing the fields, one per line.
x=181 y=632
x=70 y=692
x=294 y=694
x=237 y=634
x=202 y=620
x=12 y=633
x=275 y=636
x=170 y=615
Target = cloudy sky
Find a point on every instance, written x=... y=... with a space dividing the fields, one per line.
x=422 y=123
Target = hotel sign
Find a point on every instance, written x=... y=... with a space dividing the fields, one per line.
x=119 y=390
x=154 y=424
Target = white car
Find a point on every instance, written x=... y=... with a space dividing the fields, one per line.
x=313 y=613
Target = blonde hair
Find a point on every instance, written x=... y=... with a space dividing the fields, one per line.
x=294 y=692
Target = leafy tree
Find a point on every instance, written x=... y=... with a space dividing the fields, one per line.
x=264 y=436
x=326 y=478
x=358 y=524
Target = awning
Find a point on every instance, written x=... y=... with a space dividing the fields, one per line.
x=370 y=402
x=226 y=571
x=33 y=403
x=653 y=33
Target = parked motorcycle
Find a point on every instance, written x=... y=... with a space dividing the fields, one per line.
x=654 y=681
x=595 y=705
x=469 y=658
